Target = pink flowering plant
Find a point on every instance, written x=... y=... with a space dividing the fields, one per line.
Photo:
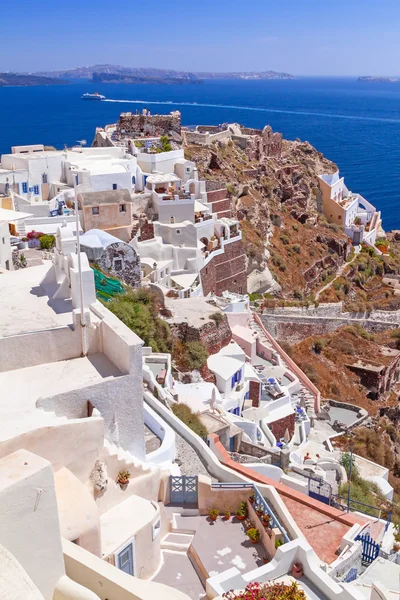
x=267 y=591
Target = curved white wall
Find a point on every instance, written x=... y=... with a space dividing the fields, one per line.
x=270 y=471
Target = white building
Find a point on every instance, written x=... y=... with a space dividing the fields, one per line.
x=358 y=217
x=7 y=218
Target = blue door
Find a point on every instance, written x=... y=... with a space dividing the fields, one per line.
x=125 y=560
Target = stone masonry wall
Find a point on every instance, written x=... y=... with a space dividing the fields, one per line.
x=121 y=255
x=254 y=389
x=295 y=324
x=213 y=336
x=279 y=427
x=226 y=271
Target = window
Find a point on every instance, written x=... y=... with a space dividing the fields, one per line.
x=76 y=180
x=118 y=264
x=114 y=186
x=95 y=210
x=178 y=232
x=122 y=208
x=339 y=217
x=24 y=187
x=36 y=190
x=172 y=219
x=44 y=178
x=3 y=240
x=156 y=529
x=133 y=179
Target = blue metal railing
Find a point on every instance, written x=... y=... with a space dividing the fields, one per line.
x=259 y=501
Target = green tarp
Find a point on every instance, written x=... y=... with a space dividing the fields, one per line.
x=106 y=287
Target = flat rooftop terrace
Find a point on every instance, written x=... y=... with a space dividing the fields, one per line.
x=196 y=311
x=21 y=389
x=25 y=305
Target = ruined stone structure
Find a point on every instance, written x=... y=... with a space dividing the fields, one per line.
x=259 y=144
x=226 y=271
x=138 y=126
x=378 y=377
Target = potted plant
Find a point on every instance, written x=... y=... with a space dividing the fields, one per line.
x=396 y=547
x=252 y=498
x=23 y=243
x=253 y=534
x=260 y=510
x=266 y=519
x=266 y=559
x=213 y=514
x=227 y=513
x=123 y=478
x=241 y=512
x=278 y=542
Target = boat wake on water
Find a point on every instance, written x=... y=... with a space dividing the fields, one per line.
x=256 y=109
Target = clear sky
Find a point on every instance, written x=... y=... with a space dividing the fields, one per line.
x=302 y=37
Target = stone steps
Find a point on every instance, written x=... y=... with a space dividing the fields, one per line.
x=177 y=541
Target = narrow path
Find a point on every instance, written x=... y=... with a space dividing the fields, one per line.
x=339 y=274
x=188 y=460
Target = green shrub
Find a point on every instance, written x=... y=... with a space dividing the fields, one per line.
x=296 y=248
x=218 y=317
x=191 y=419
x=285 y=240
x=139 y=311
x=165 y=144
x=47 y=242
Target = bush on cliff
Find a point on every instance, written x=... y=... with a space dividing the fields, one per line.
x=191 y=419
x=139 y=311
x=189 y=356
x=217 y=317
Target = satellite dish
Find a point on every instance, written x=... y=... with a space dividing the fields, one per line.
x=81 y=142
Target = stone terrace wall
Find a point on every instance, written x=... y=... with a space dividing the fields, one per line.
x=226 y=271
x=294 y=324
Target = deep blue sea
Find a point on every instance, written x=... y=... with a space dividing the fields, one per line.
x=357 y=125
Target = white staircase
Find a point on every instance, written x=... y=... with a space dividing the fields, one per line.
x=118 y=459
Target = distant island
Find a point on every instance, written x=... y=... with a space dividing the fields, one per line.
x=22 y=79
x=104 y=73
x=135 y=79
x=373 y=79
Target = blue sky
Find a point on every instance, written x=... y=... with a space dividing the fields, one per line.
x=303 y=37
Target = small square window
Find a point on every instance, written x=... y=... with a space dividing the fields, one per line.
x=114 y=186
x=95 y=210
x=122 y=208
x=118 y=264
x=178 y=231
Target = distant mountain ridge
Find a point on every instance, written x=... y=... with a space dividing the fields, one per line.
x=88 y=72
x=24 y=79
x=378 y=79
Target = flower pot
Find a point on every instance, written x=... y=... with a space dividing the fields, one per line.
x=254 y=541
x=227 y=517
x=251 y=500
x=123 y=481
x=260 y=513
x=213 y=518
x=240 y=517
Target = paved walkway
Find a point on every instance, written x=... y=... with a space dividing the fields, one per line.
x=188 y=460
x=151 y=440
x=178 y=572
